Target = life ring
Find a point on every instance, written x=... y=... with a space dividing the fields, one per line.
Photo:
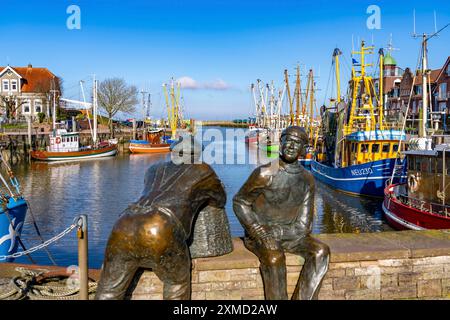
x=58 y=140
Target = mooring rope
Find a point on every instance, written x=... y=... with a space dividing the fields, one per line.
x=26 y=286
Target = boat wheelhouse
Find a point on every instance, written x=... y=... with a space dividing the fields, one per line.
x=423 y=202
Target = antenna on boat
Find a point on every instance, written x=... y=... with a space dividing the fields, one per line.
x=435 y=22
x=425 y=73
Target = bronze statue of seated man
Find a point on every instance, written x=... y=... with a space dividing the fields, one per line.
x=276 y=208
x=154 y=232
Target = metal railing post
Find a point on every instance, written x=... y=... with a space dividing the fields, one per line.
x=82 y=235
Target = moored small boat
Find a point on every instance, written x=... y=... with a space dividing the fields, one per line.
x=64 y=146
x=81 y=154
x=149 y=147
x=423 y=201
x=153 y=143
x=12 y=215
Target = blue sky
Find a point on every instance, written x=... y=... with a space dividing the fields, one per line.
x=223 y=46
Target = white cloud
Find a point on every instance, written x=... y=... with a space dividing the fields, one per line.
x=189 y=83
x=218 y=84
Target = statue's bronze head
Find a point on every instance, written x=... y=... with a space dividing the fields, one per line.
x=294 y=141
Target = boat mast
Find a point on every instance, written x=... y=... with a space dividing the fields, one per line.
x=423 y=131
x=311 y=105
x=298 y=97
x=336 y=55
x=256 y=105
x=380 y=87
x=291 y=112
x=94 y=110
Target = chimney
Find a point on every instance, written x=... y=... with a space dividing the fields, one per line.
x=30 y=66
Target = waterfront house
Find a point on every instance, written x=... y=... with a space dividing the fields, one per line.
x=27 y=91
x=397 y=89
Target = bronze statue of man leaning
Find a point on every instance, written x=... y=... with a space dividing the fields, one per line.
x=179 y=216
x=276 y=208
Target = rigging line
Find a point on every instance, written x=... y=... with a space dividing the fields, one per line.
x=407 y=110
x=437 y=32
x=328 y=83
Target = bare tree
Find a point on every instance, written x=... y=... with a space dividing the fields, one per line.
x=116 y=95
x=11 y=104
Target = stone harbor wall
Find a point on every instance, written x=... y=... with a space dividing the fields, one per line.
x=388 y=265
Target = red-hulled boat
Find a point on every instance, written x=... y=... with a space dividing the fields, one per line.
x=423 y=202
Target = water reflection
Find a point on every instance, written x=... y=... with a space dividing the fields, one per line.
x=103 y=188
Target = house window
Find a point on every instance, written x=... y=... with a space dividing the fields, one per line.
x=14 y=85
x=37 y=106
x=26 y=106
x=443 y=90
x=5 y=85
x=448 y=69
x=418 y=90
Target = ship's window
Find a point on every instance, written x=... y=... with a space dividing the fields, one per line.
x=433 y=165
x=395 y=148
x=385 y=147
x=364 y=148
x=439 y=164
x=353 y=147
x=417 y=165
x=425 y=165
x=411 y=163
x=375 y=148
x=447 y=164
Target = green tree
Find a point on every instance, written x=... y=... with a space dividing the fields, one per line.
x=116 y=95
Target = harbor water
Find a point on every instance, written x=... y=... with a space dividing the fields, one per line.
x=102 y=189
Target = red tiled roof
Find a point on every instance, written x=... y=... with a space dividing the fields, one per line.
x=34 y=79
x=433 y=76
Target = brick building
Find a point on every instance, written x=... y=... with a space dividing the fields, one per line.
x=397 y=91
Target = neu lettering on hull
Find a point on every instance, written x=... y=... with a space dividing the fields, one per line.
x=367 y=179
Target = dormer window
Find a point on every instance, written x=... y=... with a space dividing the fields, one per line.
x=5 y=85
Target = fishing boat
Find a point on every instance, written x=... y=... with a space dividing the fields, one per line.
x=12 y=214
x=152 y=144
x=422 y=202
x=156 y=141
x=65 y=146
x=362 y=154
x=253 y=134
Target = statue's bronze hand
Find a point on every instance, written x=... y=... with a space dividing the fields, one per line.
x=270 y=244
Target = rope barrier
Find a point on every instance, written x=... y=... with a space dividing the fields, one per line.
x=44 y=244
